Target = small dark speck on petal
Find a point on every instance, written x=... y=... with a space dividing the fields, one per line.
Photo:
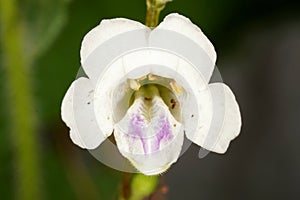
x=90 y=92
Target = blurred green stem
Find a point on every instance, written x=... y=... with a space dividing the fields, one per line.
x=154 y=7
x=23 y=124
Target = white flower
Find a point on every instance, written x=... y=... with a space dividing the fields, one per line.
x=149 y=88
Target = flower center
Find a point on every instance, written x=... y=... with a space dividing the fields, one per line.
x=153 y=114
x=148 y=86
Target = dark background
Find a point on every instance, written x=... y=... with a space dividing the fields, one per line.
x=258 y=47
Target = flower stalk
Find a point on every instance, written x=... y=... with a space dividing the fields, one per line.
x=154 y=7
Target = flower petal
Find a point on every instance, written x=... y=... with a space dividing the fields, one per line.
x=160 y=161
x=178 y=34
x=109 y=40
x=77 y=112
x=220 y=119
x=150 y=138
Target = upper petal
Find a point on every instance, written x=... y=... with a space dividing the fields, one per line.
x=220 y=119
x=178 y=34
x=77 y=112
x=108 y=40
x=183 y=25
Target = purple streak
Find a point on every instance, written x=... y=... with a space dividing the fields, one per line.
x=136 y=128
x=150 y=143
x=164 y=133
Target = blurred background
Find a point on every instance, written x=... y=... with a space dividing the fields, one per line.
x=258 y=47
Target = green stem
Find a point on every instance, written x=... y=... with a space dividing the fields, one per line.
x=19 y=102
x=154 y=7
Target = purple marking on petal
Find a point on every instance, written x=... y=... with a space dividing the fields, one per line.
x=150 y=144
x=163 y=134
x=136 y=128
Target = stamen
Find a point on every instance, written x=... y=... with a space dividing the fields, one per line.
x=134 y=84
x=152 y=77
x=175 y=87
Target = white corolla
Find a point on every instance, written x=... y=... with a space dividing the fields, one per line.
x=149 y=88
